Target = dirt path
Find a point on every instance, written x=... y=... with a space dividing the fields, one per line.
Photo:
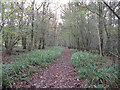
x=61 y=74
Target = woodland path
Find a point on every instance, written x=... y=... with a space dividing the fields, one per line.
x=60 y=74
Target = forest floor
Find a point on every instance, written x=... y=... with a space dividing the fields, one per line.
x=60 y=74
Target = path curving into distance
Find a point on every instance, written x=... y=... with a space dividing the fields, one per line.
x=60 y=74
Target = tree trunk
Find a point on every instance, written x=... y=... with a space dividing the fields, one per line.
x=78 y=44
x=43 y=45
x=32 y=24
x=119 y=38
x=108 y=32
x=24 y=42
x=2 y=16
x=108 y=43
x=35 y=43
x=119 y=33
x=101 y=27
x=43 y=22
x=9 y=50
x=40 y=42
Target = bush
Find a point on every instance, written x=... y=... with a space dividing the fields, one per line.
x=28 y=62
x=94 y=70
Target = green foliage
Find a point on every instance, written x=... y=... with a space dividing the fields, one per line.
x=74 y=50
x=94 y=70
x=2 y=48
x=28 y=63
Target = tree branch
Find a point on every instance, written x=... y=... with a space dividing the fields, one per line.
x=91 y=10
x=112 y=9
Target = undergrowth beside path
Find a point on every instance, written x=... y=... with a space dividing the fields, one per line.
x=26 y=64
x=96 y=71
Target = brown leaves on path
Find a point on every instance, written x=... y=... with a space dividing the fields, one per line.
x=60 y=74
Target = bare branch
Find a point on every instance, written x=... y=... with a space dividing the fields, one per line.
x=111 y=9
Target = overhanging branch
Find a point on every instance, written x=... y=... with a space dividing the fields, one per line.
x=112 y=9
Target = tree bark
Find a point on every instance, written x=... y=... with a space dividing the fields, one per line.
x=101 y=28
x=2 y=16
x=43 y=22
x=43 y=45
x=32 y=24
x=119 y=32
x=78 y=44
x=119 y=38
x=40 y=42
x=24 y=42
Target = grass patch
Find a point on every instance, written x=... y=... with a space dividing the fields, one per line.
x=28 y=63
x=95 y=70
x=74 y=50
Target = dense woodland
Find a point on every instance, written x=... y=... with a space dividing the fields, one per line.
x=91 y=30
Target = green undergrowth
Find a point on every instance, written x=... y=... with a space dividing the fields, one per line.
x=74 y=50
x=26 y=64
x=96 y=71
